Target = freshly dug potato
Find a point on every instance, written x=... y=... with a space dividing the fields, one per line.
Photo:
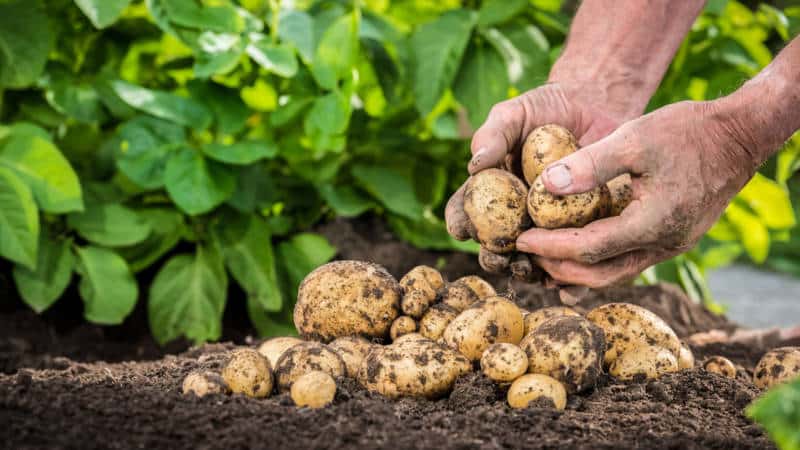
x=544 y=146
x=540 y=316
x=353 y=350
x=409 y=338
x=420 y=286
x=307 y=357
x=504 y=362
x=494 y=201
x=248 y=372
x=347 y=298
x=567 y=348
x=565 y=211
x=314 y=389
x=204 y=382
x=459 y=296
x=629 y=326
x=435 y=320
x=534 y=386
x=412 y=367
x=273 y=348
x=685 y=357
x=478 y=285
x=493 y=262
x=777 y=366
x=620 y=192
x=645 y=361
x=402 y=325
x=721 y=366
x=495 y=319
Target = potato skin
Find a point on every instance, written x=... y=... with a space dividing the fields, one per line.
x=534 y=386
x=494 y=201
x=540 y=316
x=645 y=361
x=307 y=357
x=347 y=298
x=420 y=286
x=353 y=350
x=504 y=362
x=494 y=320
x=685 y=357
x=543 y=146
x=402 y=325
x=248 y=372
x=565 y=211
x=459 y=296
x=273 y=348
x=479 y=286
x=204 y=382
x=314 y=390
x=493 y=262
x=620 y=192
x=777 y=366
x=435 y=320
x=721 y=366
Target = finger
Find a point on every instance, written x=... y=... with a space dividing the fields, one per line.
x=497 y=136
x=607 y=273
x=455 y=217
x=572 y=295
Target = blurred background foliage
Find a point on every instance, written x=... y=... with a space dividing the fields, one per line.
x=202 y=140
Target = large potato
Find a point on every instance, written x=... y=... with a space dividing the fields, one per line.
x=777 y=366
x=629 y=326
x=248 y=372
x=495 y=319
x=540 y=316
x=567 y=348
x=544 y=146
x=459 y=296
x=504 y=362
x=307 y=357
x=435 y=320
x=534 y=386
x=353 y=350
x=494 y=201
x=479 y=286
x=347 y=298
x=646 y=361
x=412 y=367
x=420 y=287
x=273 y=348
x=564 y=211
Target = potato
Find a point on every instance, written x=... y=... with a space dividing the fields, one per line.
x=459 y=296
x=685 y=357
x=539 y=316
x=204 y=382
x=620 y=191
x=645 y=361
x=347 y=298
x=435 y=320
x=409 y=338
x=412 y=367
x=563 y=211
x=353 y=350
x=273 y=348
x=495 y=319
x=544 y=146
x=479 y=286
x=314 y=389
x=402 y=325
x=307 y=357
x=628 y=326
x=248 y=372
x=420 y=286
x=721 y=366
x=567 y=348
x=504 y=362
x=530 y=387
x=493 y=262
x=777 y=366
x=494 y=201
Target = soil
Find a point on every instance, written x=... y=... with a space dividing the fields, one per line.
x=67 y=384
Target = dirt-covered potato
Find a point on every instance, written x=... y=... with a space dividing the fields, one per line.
x=307 y=357
x=314 y=389
x=347 y=298
x=412 y=367
x=495 y=319
x=435 y=320
x=629 y=326
x=620 y=192
x=544 y=146
x=646 y=361
x=353 y=350
x=721 y=366
x=504 y=362
x=532 y=387
x=493 y=262
x=494 y=201
x=777 y=366
x=458 y=296
x=204 y=382
x=273 y=348
x=420 y=287
x=248 y=372
x=567 y=348
x=402 y=325
x=479 y=286
x=540 y=316
x=685 y=357
x=564 y=211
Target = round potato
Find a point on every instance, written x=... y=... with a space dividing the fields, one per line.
x=353 y=350
x=478 y=285
x=314 y=389
x=544 y=146
x=493 y=262
x=504 y=362
x=204 y=382
x=307 y=357
x=540 y=316
x=495 y=319
x=565 y=211
x=402 y=325
x=721 y=366
x=648 y=362
x=534 y=386
x=272 y=349
x=494 y=201
x=777 y=366
x=459 y=296
x=420 y=286
x=620 y=191
x=248 y=372
x=685 y=357
x=347 y=298
x=435 y=320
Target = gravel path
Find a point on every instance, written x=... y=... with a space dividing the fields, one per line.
x=757 y=298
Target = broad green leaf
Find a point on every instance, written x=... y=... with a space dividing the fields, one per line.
x=297 y=28
x=191 y=14
x=391 y=188
x=752 y=232
x=301 y=254
x=102 y=13
x=187 y=297
x=290 y=111
x=429 y=233
x=345 y=200
x=525 y=50
x=255 y=189
x=107 y=287
x=788 y=161
x=166 y=227
x=181 y=110
x=269 y=324
x=197 y=185
x=276 y=58
x=229 y=110
x=481 y=83
x=41 y=287
x=110 y=225
x=437 y=50
x=778 y=411
x=337 y=51
x=493 y=12
x=218 y=53
x=329 y=114
x=720 y=255
x=144 y=145
x=242 y=152
x=19 y=220
x=77 y=100
x=26 y=38
x=770 y=201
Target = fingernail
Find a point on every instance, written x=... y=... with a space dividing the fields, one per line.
x=523 y=246
x=476 y=158
x=559 y=176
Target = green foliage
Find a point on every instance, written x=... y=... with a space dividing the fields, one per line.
x=778 y=411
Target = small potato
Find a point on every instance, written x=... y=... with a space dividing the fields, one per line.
x=307 y=357
x=685 y=357
x=459 y=296
x=721 y=366
x=402 y=325
x=495 y=319
x=420 y=286
x=494 y=201
x=565 y=211
x=353 y=350
x=435 y=320
x=629 y=326
x=777 y=366
x=478 y=285
x=204 y=382
x=646 y=361
x=567 y=348
x=347 y=298
x=531 y=387
x=314 y=389
x=493 y=262
x=539 y=316
x=620 y=194
x=273 y=348
x=248 y=372
x=504 y=362
x=544 y=146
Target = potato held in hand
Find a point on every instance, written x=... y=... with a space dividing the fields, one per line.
x=544 y=146
x=566 y=211
x=494 y=201
x=777 y=366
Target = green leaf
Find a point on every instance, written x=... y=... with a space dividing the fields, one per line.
x=720 y=255
x=187 y=297
x=337 y=51
x=526 y=53
x=218 y=54
x=229 y=110
x=102 y=13
x=301 y=254
x=168 y=106
x=19 y=220
x=391 y=188
x=778 y=411
x=752 y=232
x=275 y=58
x=481 y=83
x=166 y=227
x=242 y=152
x=107 y=287
x=190 y=13
x=297 y=28
x=329 y=114
x=41 y=287
x=145 y=144
x=437 y=50
x=345 y=200
x=26 y=38
x=770 y=201
x=197 y=185
x=77 y=100
x=493 y=12
x=429 y=233
x=269 y=324
x=110 y=225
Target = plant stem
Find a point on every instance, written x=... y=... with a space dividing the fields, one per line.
x=275 y=5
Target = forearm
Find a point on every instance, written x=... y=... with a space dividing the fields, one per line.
x=622 y=49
